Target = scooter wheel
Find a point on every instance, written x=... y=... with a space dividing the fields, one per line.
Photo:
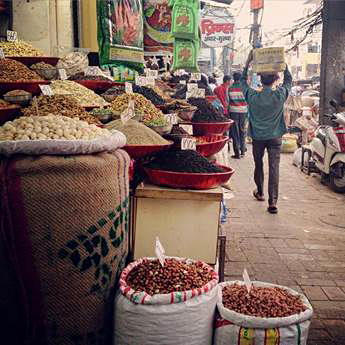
x=337 y=184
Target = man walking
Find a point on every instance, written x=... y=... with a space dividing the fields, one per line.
x=238 y=113
x=267 y=126
x=221 y=92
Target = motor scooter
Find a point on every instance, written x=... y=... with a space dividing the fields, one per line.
x=328 y=150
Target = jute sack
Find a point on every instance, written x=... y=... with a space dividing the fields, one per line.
x=232 y=328
x=178 y=318
x=63 y=230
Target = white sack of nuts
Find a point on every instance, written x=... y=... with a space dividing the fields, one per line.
x=53 y=134
x=270 y=314
x=169 y=305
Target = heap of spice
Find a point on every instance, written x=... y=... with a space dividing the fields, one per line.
x=183 y=161
x=206 y=112
x=59 y=105
x=137 y=133
x=12 y=70
x=19 y=48
x=149 y=93
x=83 y=95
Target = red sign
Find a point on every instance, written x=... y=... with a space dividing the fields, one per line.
x=208 y=27
x=256 y=4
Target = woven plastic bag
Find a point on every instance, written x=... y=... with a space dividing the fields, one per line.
x=179 y=318
x=232 y=328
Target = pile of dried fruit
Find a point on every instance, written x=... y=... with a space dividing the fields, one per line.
x=149 y=93
x=19 y=48
x=113 y=92
x=12 y=70
x=262 y=301
x=58 y=105
x=206 y=112
x=151 y=277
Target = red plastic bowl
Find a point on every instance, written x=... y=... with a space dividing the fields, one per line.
x=140 y=151
x=213 y=145
x=9 y=114
x=189 y=180
x=96 y=85
x=206 y=128
x=30 y=60
x=29 y=86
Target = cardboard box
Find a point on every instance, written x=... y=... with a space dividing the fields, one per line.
x=269 y=60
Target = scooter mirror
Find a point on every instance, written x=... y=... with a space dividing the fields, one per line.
x=333 y=103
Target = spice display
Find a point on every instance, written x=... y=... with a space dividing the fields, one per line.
x=45 y=70
x=73 y=63
x=151 y=115
x=206 y=112
x=149 y=93
x=6 y=105
x=12 y=70
x=58 y=105
x=262 y=301
x=82 y=76
x=113 y=92
x=151 y=277
x=19 y=48
x=50 y=127
x=183 y=161
x=80 y=93
x=137 y=133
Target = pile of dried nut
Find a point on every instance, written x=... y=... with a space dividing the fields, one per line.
x=151 y=277
x=12 y=70
x=19 y=48
x=261 y=301
x=59 y=105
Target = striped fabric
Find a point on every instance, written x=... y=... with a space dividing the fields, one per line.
x=237 y=102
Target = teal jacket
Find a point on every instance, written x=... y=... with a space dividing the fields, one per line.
x=266 y=108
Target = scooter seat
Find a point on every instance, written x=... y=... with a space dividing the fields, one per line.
x=321 y=134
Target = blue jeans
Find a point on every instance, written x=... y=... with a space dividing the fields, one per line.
x=238 y=132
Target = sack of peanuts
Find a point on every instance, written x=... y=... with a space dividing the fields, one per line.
x=268 y=314
x=169 y=305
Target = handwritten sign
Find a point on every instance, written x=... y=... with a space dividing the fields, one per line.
x=2 y=54
x=171 y=118
x=247 y=280
x=62 y=74
x=46 y=90
x=128 y=87
x=129 y=112
x=12 y=36
x=197 y=93
x=145 y=81
x=92 y=70
x=187 y=128
x=183 y=82
x=188 y=144
x=151 y=73
x=160 y=251
x=191 y=86
x=195 y=76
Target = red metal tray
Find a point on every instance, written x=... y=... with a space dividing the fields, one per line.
x=213 y=145
x=29 y=86
x=206 y=128
x=30 y=60
x=189 y=180
x=140 y=151
x=96 y=85
x=9 y=114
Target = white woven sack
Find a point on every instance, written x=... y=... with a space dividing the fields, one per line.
x=62 y=147
x=233 y=328
x=180 y=318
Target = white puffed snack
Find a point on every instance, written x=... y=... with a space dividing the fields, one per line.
x=51 y=127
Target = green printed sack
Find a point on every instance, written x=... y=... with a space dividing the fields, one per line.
x=186 y=55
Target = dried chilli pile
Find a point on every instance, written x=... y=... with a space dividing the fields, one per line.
x=150 y=277
x=262 y=302
x=206 y=112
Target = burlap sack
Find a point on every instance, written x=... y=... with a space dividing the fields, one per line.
x=64 y=223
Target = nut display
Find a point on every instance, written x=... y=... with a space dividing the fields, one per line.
x=73 y=62
x=45 y=70
x=83 y=95
x=261 y=301
x=151 y=277
x=58 y=105
x=50 y=127
x=11 y=70
x=19 y=48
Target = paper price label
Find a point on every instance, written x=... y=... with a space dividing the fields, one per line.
x=180 y=72
x=183 y=82
x=11 y=36
x=160 y=252
x=191 y=86
x=92 y=70
x=62 y=74
x=140 y=81
x=151 y=73
x=128 y=113
x=187 y=128
x=247 y=280
x=150 y=81
x=128 y=87
x=200 y=93
x=2 y=54
x=46 y=90
x=171 y=118
x=195 y=76
x=188 y=144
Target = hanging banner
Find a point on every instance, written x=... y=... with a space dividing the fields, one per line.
x=217 y=27
x=157 y=26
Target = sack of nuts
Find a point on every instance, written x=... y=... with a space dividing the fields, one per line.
x=269 y=314
x=169 y=305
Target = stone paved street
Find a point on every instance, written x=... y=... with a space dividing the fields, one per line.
x=302 y=247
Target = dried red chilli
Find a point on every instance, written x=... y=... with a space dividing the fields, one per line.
x=261 y=301
x=151 y=277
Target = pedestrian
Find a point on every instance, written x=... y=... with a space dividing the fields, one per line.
x=237 y=111
x=221 y=92
x=266 y=126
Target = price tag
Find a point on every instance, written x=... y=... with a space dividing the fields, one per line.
x=247 y=280
x=128 y=87
x=139 y=80
x=187 y=128
x=191 y=86
x=200 y=93
x=195 y=76
x=92 y=70
x=180 y=72
x=188 y=144
x=128 y=113
x=183 y=82
x=171 y=118
x=151 y=73
x=2 y=54
x=46 y=90
x=11 y=36
x=160 y=252
x=150 y=81
x=62 y=74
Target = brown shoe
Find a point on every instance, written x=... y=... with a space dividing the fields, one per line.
x=258 y=196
